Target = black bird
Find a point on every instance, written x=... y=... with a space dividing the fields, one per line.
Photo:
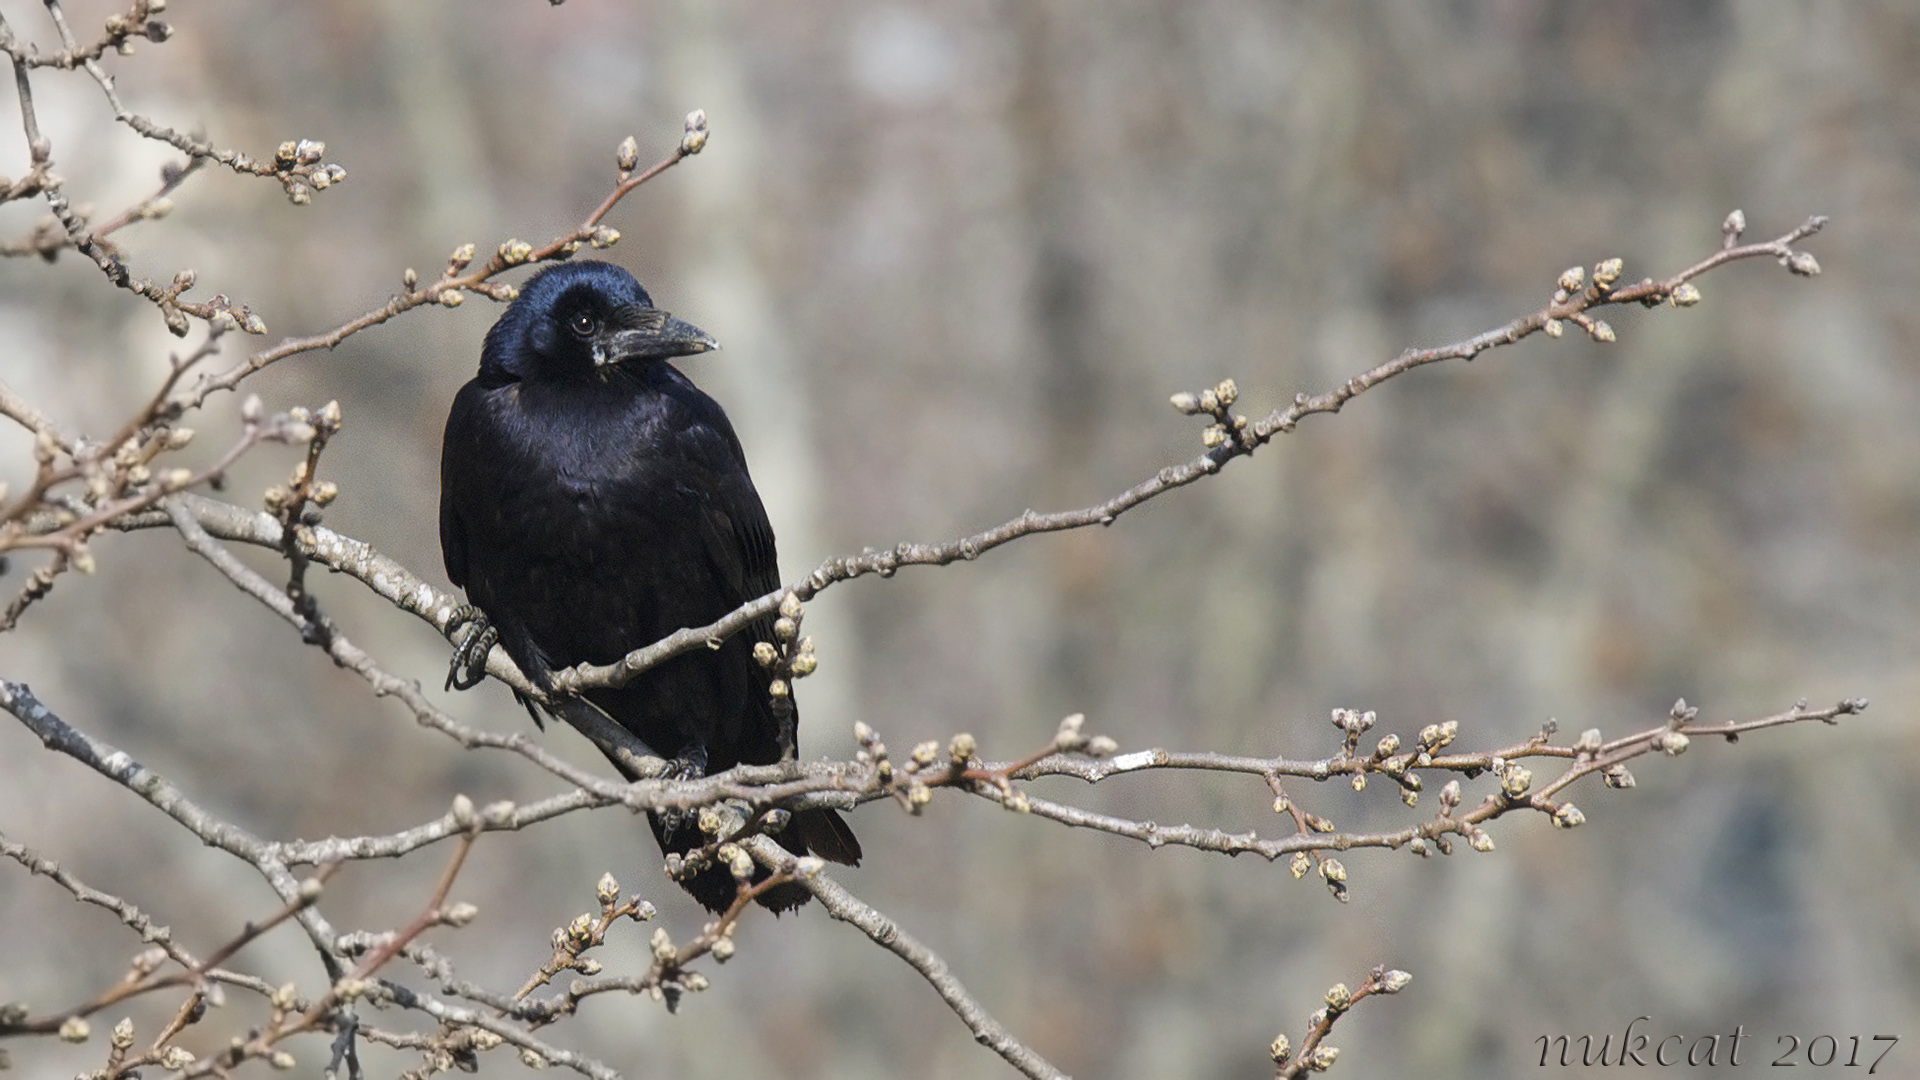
x=592 y=501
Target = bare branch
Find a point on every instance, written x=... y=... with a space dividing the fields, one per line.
x=458 y=279
x=132 y=917
x=120 y=767
x=1316 y=834
x=887 y=934
x=1246 y=436
x=410 y=593
x=1314 y=1055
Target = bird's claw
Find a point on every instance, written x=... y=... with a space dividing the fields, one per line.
x=469 y=663
x=682 y=768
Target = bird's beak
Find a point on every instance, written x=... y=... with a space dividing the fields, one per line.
x=644 y=333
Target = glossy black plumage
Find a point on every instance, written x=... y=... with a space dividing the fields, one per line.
x=593 y=500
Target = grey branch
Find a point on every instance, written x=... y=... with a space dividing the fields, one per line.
x=887 y=934
x=120 y=767
x=132 y=917
x=408 y=592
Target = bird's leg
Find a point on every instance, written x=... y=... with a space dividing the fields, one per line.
x=469 y=663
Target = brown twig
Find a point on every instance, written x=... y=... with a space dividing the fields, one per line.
x=1314 y=1055
x=192 y=971
x=461 y=277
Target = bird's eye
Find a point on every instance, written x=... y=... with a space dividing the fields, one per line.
x=583 y=325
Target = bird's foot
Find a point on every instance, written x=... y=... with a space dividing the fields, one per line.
x=691 y=767
x=469 y=663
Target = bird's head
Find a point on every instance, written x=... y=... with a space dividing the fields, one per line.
x=580 y=319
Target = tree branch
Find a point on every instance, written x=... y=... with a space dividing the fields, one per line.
x=887 y=934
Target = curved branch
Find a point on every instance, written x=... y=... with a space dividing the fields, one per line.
x=120 y=767
x=408 y=592
x=887 y=934
x=458 y=279
x=1245 y=437
x=1317 y=835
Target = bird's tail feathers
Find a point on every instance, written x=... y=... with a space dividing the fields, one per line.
x=825 y=833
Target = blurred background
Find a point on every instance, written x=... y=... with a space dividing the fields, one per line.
x=958 y=254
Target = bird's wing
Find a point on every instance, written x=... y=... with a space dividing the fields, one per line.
x=738 y=537
x=759 y=562
x=457 y=454
x=739 y=542
x=734 y=525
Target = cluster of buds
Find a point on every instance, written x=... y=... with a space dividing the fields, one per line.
x=302 y=496
x=1339 y=999
x=695 y=138
x=662 y=947
x=789 y=655
x=1353 y=723
x=514 y=252
x=1572 y=285
x=874 y=752
x=571 y=942
x=1673 y=742
x=221 y=313
x=457 y=262
x=1335 y=1003
x=737 y=861
x=668 y=980
x=1217 y=403
x=1072 y=738
x=1515 y=780
x=1334 y=873
x=301 y=171
x=723 y=947
x=1388 y=758
x=458 y=914
x=909 y=783
x=131 y=469
x=122 y=29
x=962 y=750
x=1435 y=737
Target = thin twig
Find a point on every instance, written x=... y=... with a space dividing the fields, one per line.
x=453 y=283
